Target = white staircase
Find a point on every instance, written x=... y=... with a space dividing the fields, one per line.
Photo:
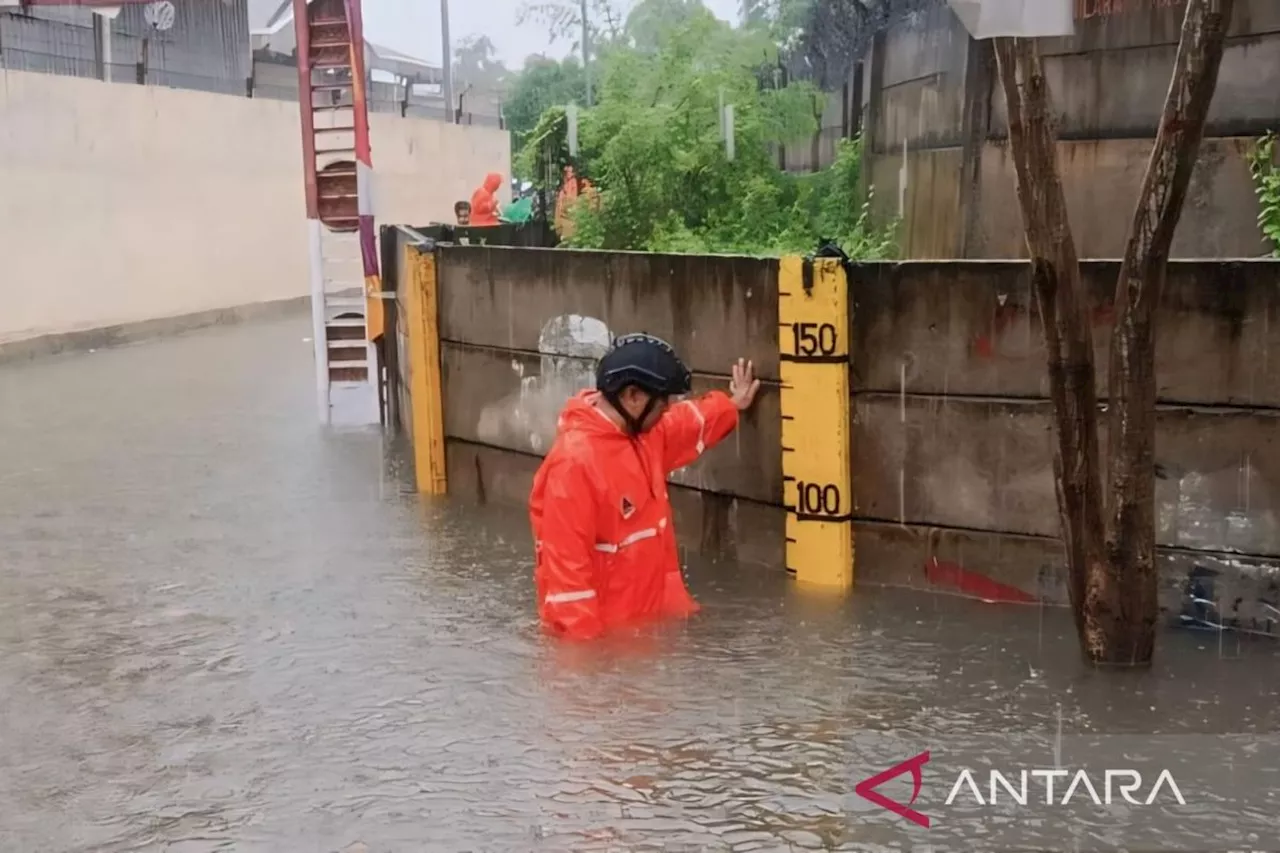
x=347 y=369
x=336 y=180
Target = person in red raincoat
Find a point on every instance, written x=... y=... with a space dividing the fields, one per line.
x=484 y=201
x=604 y=545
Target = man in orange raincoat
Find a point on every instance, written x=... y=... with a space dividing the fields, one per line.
x=605 y=548
x=484 y=201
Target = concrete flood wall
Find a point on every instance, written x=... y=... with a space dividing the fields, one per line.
x=952 y=467
x=953 y=435
x=520 y=330
x=936 y=132
x=121 y=204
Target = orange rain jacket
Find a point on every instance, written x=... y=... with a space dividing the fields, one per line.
x=604 y=543
x=484 y=201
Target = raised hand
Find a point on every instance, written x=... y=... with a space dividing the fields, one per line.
x=744 y=385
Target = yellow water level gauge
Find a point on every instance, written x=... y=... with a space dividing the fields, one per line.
x=813 y=314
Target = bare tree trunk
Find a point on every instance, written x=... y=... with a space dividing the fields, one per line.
x=1113 y=581
x=1064 y=313
x=1123 y=599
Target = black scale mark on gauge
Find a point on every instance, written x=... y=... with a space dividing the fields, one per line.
x=814 y=343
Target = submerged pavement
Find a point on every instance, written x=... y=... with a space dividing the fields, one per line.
x=223 y=628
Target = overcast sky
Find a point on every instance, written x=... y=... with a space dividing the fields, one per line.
x=413 y=26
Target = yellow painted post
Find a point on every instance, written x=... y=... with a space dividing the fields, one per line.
x=426 y=390
x=375 y=322
x=813 y=315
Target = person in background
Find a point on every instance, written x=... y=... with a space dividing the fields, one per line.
x=604 y=545
x=484 y=201
x=591 y=194
x=564 y=203
x=462 y=210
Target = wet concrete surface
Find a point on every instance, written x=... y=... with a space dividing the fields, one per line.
x=223 y=628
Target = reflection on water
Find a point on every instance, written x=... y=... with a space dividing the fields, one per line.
x=223 y=629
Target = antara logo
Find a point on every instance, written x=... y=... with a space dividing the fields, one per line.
x=867 y=788
x=1067 y=785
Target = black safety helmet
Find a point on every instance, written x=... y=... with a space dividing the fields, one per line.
x=647 y=362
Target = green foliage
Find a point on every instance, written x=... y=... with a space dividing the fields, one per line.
x=589 y=227
x=781 y=19
x=542 y=84
x=652 y=22
x=827 y=202
x=545 y=150
x=654 y=146
x=1266 y=180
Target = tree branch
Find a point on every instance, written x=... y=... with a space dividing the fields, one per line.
x=1132 y=380
x=1195 y=77
x=1068 y=336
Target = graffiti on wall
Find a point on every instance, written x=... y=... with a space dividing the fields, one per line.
x=1001 y=343
x=1226 y=508
x=1211 y=603
x=952 y=577
x=569 y=346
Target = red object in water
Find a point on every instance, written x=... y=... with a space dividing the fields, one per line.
x=955 y=577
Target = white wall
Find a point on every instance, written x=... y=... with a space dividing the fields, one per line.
x=121 y=203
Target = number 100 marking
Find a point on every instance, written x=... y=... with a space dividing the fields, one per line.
x=818 y=499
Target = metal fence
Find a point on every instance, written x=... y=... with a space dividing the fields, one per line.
x=384 y=98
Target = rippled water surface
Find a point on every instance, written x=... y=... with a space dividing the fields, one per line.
x=223 y=628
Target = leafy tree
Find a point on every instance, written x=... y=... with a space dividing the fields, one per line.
x=784 y=19
x=654 y=146
x=545 y=150
x=542 y=84
x=563 y=20
x=833 y=35
x=476 y=63
x=652 y=22
x=755 y=12
x=1266 y=182
x=657 y=140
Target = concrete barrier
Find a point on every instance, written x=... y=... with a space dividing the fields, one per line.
x=121 y=205
x=952 y=461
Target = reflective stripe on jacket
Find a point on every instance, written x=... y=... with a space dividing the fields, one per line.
x=605 y=547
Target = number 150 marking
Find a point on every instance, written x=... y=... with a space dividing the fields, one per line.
x=814 y=338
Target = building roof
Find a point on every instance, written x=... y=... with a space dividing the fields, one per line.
x=270 y=19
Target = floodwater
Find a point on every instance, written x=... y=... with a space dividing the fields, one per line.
x=222 y=628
